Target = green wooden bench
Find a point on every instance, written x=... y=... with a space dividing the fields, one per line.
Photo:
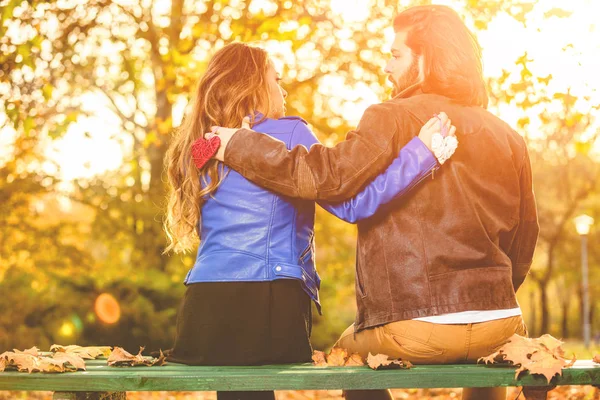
x=99 y=380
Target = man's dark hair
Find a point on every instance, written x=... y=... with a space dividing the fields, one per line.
x=451 y=53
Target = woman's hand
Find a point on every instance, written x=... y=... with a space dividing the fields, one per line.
x=439 y=135
x=225 y=134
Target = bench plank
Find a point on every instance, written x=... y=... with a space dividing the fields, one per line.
x=89 y=396
x=176 y=377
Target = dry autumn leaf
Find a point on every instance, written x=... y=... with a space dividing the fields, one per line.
x=543 y=355
x=552 y=344
x=337 y=357
x=73 y=359
x=319 y=358
x=34 y=351
x=382 y=361
x=32 y=361
x=121 y=358
x=88 y=353
x=354 y=360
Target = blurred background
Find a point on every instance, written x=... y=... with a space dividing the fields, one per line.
x=90 y=92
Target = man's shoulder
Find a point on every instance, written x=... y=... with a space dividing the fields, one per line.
x=384 y=111
x=418 y=100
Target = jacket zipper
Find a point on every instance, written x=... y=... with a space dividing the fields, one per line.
x=308 y=248
x=425 y=176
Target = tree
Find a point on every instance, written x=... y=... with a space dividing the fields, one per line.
x=565 y=174
x=141 y=60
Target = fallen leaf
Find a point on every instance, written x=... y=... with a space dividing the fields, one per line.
x=76 y=361
x=546 y=364
x=88 y=353
x=596 y=358
x=337 y=357
x=121 y=358
x=382 y=361
x=543 y=356
x=354 y=360
x=31 y=360
x=34 y=351
x=319 y=359
x=495 y=358
x=550 y=342
x=375 y=361
x=20 y=361
x=46 y=364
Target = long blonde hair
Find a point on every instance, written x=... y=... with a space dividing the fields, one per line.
x=234 y=85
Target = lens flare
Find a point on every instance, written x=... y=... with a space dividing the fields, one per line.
x=77 y=323
x=66 y=329
x=107 y=308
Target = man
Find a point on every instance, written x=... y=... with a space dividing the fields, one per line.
x=436 y=273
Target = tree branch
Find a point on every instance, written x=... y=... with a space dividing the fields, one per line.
x=114 y=108
x=176 y=21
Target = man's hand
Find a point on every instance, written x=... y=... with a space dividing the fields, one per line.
x=225 y=134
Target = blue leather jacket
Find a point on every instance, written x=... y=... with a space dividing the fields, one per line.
x=250 y=234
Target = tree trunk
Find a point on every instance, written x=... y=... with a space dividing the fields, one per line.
x=592 y=313
x=545 y=314
x=531 y=327
x=565 y=318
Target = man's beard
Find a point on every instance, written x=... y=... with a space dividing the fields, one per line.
x=406 y=80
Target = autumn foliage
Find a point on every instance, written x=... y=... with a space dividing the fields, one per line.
x=339 y=357
x=72 y=358
x=61 y=359
x=543 y=355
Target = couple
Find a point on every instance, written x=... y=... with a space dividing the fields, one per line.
x=438 y=260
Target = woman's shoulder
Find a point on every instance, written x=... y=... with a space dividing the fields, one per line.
x=281 y=125
x=292 y=130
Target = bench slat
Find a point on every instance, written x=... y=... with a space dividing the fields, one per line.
x=176 y=377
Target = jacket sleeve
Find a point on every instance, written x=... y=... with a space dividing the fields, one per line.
x=414 y=163
x=523 y=245
x=323 y=173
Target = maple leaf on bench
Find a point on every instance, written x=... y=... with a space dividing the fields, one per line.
x=382 y=361
x=121 y=358
x=88 y=353
x=354 y=360
x=337 y=357
x=319 y=358
x=543 y=355
x=31 y=360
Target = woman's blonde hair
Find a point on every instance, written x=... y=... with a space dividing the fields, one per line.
x=234 y=85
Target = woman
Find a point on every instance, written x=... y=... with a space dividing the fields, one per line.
x=249 y=292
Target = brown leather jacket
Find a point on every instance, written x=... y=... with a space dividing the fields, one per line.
x=462 y=240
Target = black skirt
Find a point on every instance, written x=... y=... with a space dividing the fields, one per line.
x=243 y=323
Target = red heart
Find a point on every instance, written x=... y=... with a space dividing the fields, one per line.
x=203 y=150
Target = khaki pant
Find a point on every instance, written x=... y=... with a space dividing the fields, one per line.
x=427 y=343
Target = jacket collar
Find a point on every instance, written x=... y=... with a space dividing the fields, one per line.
x=410 y=91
